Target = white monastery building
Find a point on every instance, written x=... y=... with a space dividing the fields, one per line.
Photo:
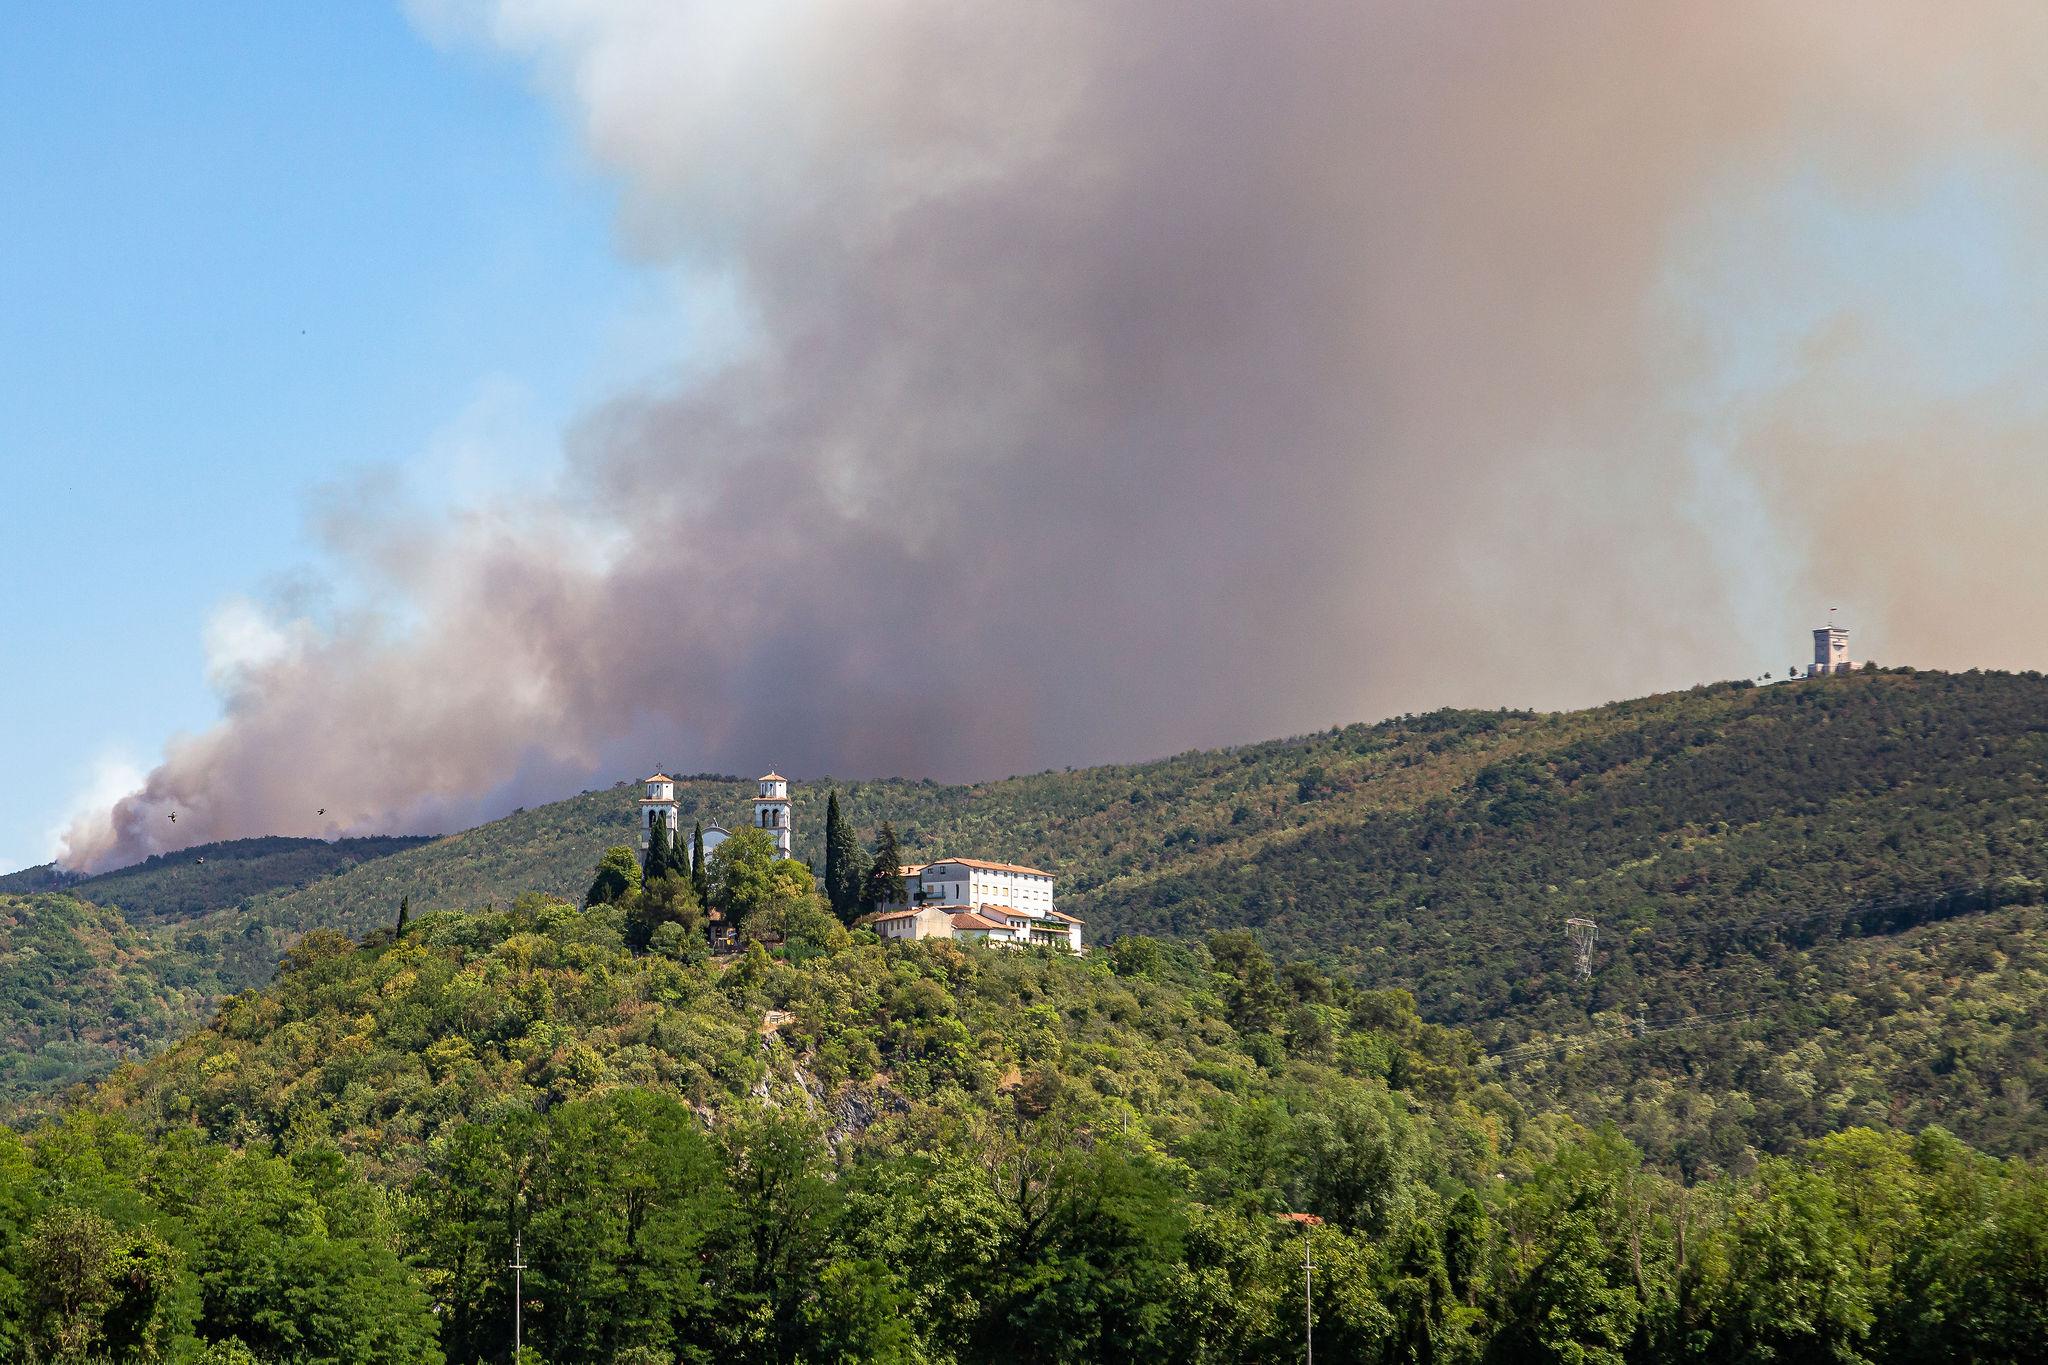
x=959 y=898
x=976 y=901
x=771 y=813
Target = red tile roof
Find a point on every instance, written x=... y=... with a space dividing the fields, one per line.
x=992 y=867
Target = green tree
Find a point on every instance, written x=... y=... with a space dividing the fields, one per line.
x=845 y=865
x=779 y=1235
x=884 y=883
x=404 y=916
x=1352 y=1159
x=700 y=871
x=661 y=851
x=618 y=873
x=666 y=899
x=753 y=885
x=1795 y=1288
x=296 y=1261
x=1467 y=1232
x=1251 y=988
x=859 y=1317
x=621 y=1205
x=97 y=1291
x=1092 y=1242
x=1567 y=1309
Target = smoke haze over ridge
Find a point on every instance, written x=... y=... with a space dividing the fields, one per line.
x=1112 y=380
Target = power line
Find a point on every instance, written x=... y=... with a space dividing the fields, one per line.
x=518 y=1269
x=1643 y=1028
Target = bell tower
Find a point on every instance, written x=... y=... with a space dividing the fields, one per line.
x=772 y=811
x=659 y=805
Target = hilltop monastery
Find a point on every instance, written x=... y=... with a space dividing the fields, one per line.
x=959 y=898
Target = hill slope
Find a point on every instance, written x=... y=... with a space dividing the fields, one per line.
x=1729 y=841
x=925 y=1152
x=82 y=989
x=219 y=876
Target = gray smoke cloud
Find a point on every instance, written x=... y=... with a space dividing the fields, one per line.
x=1115 y=379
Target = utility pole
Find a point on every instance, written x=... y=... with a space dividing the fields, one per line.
x=1308 y=1293
x=1309 y=1223
x=518 y=1268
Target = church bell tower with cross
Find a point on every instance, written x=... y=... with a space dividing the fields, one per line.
x=772 y=810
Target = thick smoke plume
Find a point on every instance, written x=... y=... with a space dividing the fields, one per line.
x=1114 y=379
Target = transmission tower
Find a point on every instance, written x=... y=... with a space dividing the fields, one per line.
x=1581 y=932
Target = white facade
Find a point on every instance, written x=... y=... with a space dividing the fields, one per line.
x=969 y=899
x=660 y=804
x=772 y=810
x=974 y=883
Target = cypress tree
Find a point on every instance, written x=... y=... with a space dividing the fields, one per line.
x=700 y=873
x=404 y=914
x=834 y=864
x=845 y=865
x=884 y=882
x=659 y=853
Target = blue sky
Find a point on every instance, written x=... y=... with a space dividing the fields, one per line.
x=248 y=248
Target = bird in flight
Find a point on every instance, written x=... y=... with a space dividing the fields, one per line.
x=321 y=811
x=174 y=817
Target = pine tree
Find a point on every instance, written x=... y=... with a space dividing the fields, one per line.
x=700 y=873
x=846 y=866
x=883 y=884
x=404 y=914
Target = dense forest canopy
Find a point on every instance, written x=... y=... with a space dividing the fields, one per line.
x=926 y=1152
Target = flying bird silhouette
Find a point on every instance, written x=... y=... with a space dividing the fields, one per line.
x=174 y=817
x=321 y=811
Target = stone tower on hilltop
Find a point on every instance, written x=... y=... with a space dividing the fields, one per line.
x=1830 y=651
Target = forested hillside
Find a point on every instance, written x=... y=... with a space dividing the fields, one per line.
x=1779 y=870
x=81 y=989
x=1727 y=801
x=1817 y=902
x=207 y=877
x=195 y=881
x=930 y=1153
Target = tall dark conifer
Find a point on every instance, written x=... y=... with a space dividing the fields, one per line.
x=845 y=865
x=833 y=861
x=884 y=882
x=700 y=873
x=660 y=849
